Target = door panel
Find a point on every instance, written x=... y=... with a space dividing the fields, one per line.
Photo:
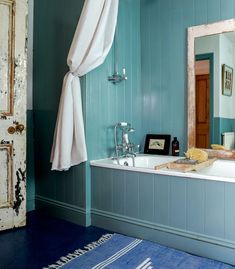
x=202 y=111
x=7 y=19
x=6 y=176
x=13 y=35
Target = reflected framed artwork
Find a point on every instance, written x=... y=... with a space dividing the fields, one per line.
x=157 y=144
x=227 y=80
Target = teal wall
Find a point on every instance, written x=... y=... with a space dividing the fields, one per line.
x=151 y=45
x=30 y=182
x=222 y=125
x=106 y=103
x=54 y=25
x=67 y=194
x=30 y=204
x=164 y=26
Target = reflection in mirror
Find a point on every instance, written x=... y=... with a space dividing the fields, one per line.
x=211 y=87
x=215 y=113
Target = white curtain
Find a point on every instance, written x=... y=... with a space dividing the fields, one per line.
x=91 y=43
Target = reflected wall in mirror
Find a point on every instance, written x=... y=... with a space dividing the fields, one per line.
x=211 y=114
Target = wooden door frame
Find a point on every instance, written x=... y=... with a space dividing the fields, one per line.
x=210 y=57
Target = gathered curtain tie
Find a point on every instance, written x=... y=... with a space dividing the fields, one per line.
x=73 y=73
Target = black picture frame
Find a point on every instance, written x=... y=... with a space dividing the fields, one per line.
x=157 y=144
x=227 y=80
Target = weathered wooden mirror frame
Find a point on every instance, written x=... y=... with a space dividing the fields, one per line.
x=194 y=32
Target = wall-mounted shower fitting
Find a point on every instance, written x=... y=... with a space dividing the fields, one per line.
x=116 y=78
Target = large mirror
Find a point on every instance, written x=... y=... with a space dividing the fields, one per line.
x=211 y=87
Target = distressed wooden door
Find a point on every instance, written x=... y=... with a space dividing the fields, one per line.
x=13 y=36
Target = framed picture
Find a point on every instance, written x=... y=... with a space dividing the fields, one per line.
x=227 y=80
x=157 y=144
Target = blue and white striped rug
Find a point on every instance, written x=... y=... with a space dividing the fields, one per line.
x=115 y=251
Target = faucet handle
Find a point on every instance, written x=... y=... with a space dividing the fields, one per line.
x=137 y=148
x=118 y=147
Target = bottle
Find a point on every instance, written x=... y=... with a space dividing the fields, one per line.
x=175 y=147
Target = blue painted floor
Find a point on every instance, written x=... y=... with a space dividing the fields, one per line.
x=42 y=242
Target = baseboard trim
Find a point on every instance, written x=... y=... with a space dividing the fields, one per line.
x=63 y=210
x=211 y=247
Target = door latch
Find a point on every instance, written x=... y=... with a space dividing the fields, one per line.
x=16 y=129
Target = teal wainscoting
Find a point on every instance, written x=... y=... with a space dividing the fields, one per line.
x=67 y=194
x=194 y=215
x=151 y=45
x=60 y=193
x=30 y=184
x=106 y=103
x=164 y=26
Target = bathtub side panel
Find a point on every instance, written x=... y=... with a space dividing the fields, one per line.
x=197 y=213
x=118 y=192
x=131 y=181
x=229 y=211
x=161 y=199
x=146 y=197
x=106 y=190
x=196 y=205
x=177 y=202
x=95 y=196
x=102 y=186
x=214 y=208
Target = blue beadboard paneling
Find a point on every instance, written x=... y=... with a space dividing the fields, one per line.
x=95 y=193
x=56 y=26
x=227 y=9
x=132 y=191
x=161 y=200
x=30 y=163
x=228 y=208
x=107 y=104
x=214 y=208
x=118 y=192
x=106 y=184
x=146 y=197
x=162 y=68
x=151 y=44
x=164 y=59
x=177 y=204
x=195 y=205
x=191 y=209
x=188 y=14
x=104 y=104
x=200 y=10
x=213 y=10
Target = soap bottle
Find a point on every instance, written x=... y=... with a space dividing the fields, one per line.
x=175 y=147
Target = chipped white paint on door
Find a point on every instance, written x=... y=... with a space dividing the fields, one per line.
x=13 y=36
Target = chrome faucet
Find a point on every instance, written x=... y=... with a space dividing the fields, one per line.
x=126 y=148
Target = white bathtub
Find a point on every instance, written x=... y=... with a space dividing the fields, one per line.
x=220 y=170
